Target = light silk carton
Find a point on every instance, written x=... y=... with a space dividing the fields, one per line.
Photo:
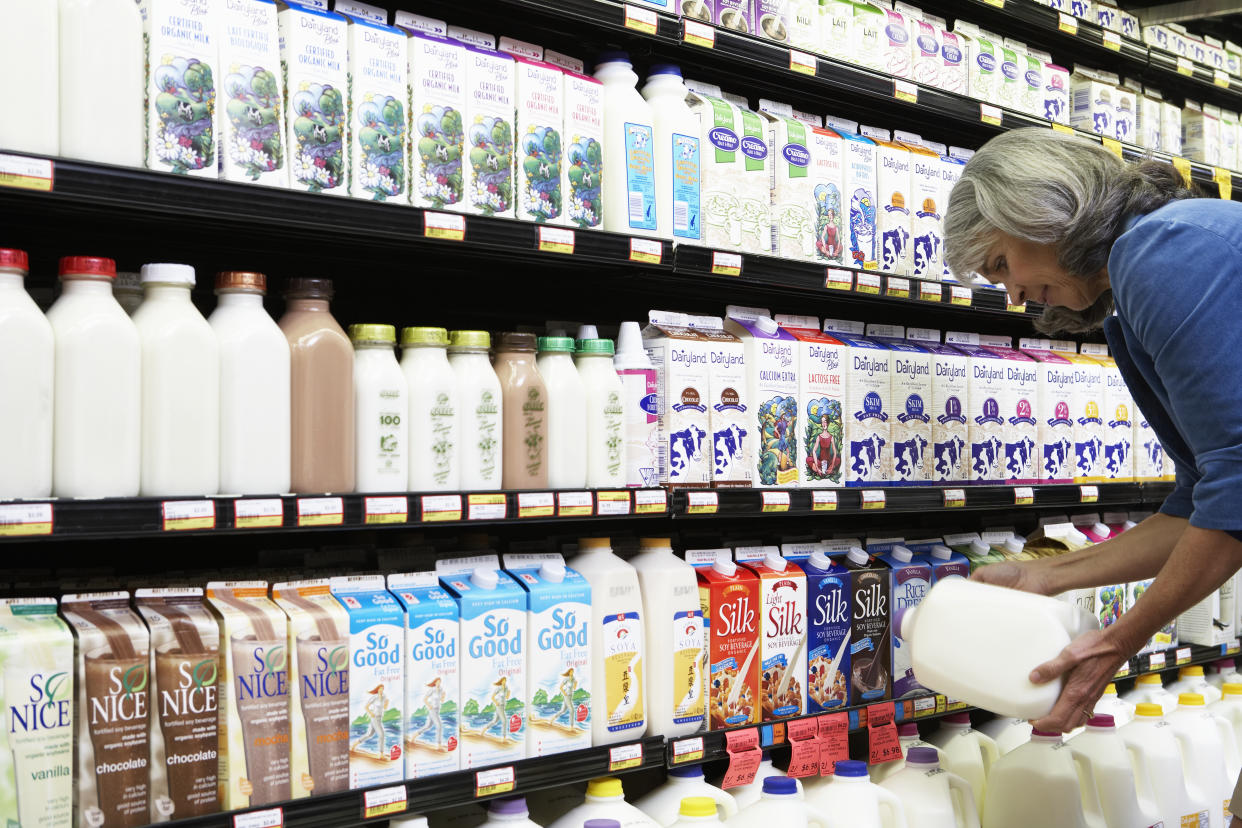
x=912 y=450
x=1170 y=128
x=894 y=219
x=910 y=580
x=252 y=104
x=1056 y=94
x=729 y=406
x=821 y=400
x=925 y=49
x=558 y=676
x=771 y=19
x=36 y=745
x=432 y=674
x=860 y=190
x=804 y=25
x=1093 y=102
x=314 y=60
x=539 y=127
x=1211 y=622
x=793 y=187
x=782 y=633
x=583 y=107
x=729 y=597
x=947 y=407
x=723 y=188
x=704 y=10
x=493 y=662
x=436 y=131
x=985 y=426
x=895 y=44
x=1018 y=408
x=684 y=455
x=1149 y=458
x=926 y=220
x=491 y=92
x=867 y=434
x=828 y=628
x=828 y=173
x=378 y=95
x=771 y=361
x=755 y=183
x=1117 y=413
x=1053 y=404
x=1088 y=389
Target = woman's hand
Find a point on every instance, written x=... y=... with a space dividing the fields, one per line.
x=1028 y=576
x=1087 y=665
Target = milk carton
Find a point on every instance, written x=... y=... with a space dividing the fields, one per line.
x=1031 y=64
x=488 y=164
x=436 y=131
x=1010 y=85
x=1056 y=106
x=828 y=174
x=893 y=190
x=683 y=458
x=378 y=95
x=1170 y=128
x=837 y=25
x=1228 y=139
x=928 y=64
x=782 y=634
x=1116 y=414
x=1125 y=121
x=583 y=108
x=912 y=451
x=729 y=406
x=827 y=632
x=772 y=388
x=539 y=126
x=911 y=577
x=895 y=44
x=723 y=187
x=1149 y=458
x=926 y=220
x=948 y=406
x=821 y=398
x=1088 y=389
x=736 y=15
x=36 y=745
x=1108 y=16
x=558 y=675
x=1082 y=9
x=252 y=114
x=982 y=70
x=314 y=62
x=951 y=168
x=870 y=636
x=755 y=183
x=376 y=680
x=1200 y=133
x=729 y=596
x=868 y=404
x=1053 y=403
x=1147 y=123
x=793 y=188
x=1211 y=622
x=1094 y=102
x=1018 y=406
x=493 y=662
x=985 y=426
x=860 y=189
x=1130 y=25
x=771 y=19
x=804 y=25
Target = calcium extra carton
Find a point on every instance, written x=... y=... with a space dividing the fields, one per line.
x=1117 y=413
x=558 y=675
x=772 y=388
x=859 y=196
x=868 y=404
x=684 y=454
x=436 y=132
x=491 y=90
x=782 y=632
x=948 y=407
x=1053 y=402
x=793 y=184
x=985 y=425
x=894 y=221
x=926 y=223
x=828 y=172
x=252 y=112
x=584 y=159
x=315 y=64
x=821 y=401
x=1086 y=412
x=540 y=152
x=1018 y=407
x=493 y=661
x=911 y=400
x=729 y=406
x=378 y=95
x=432 y=674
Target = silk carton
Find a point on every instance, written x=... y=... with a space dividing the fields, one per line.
x=782 y=633
x=828 y=631
x=729 y=597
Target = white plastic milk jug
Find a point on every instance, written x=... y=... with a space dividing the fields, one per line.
x=1191 y=680
x=1224 y=672
x=605 y=799
x=1157 y=763
x=1037 y=785
x=1122 y=803
x=629 y=184
x=907 y=737
x=1149 y=689
x=677 y=155
x=933 y=798
x=664 y=803
x=509 y=812
x=1209 y=753
x=852 y=800
x=747 y=795
x=781 y=805
x=26 y=369
x=1008 y=733
x=966 y=752
x=695 y=812
x=1110 y=704
x=1230 y=707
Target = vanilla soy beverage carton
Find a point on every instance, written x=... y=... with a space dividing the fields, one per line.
x=1053 y=404
x=376 y=680
x=985 y=425
x=539 y=127
x=860 y=189
x=771 y=19
x=436 y=130
x=252 y=109
x=1019 y=404
x=772 y=388
x=926 y=220
x=729 y=406
x=1088 y=391
x=911 y=395
x=314 y=61
x=558 y=675
x=894 y=219
x=828 y=628
x=947 y=406
x=490 y=108
x=583 y=108
x=782 y=632
x=494 y=641
x=867 y=433
x=821 y=401
x=793 y=187
x=684 y=454
x=1117 y=416
x=828 y=174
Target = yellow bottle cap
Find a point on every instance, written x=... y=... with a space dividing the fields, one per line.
x=655 y=543
x=1150 y=678
x=470 y=339
x=380 y=334
x=698 y=806
x=1195 y=671
x=1230 y=688
x=1190 y=699
x=1147 y=709
x=594 y=543
x=1110 y=690
x=605 y=786
x=424 y=336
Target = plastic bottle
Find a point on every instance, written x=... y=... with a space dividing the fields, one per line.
x=1157 y=764
x=1008 y=733
x=629 y=182
x=1191 y=680
x=605 y=800
x=434 y=418
x=482 y=404
x=1209 y=753
x=101 y=89
x=907 y=737
x=1149 y=688
x=1111 y=705
x=664 y=802
x=676 y=688
x=960 y=640
x=509 y=812
x=381 y=411
x=932 y=798
x=638 y=382
x=567 y=445
x=605 y=431
x=127 y=288
x=1121 y=802
x=618 y=674
x=966 y=752
x=1038 y=785
x=853 y=801
x=525 y=419
x=29 y=77
x=1223 y=672
x=27 y=359
x=1230 y=708
x=696 y=812
x=747 y=795
x=780 y=804
x=678 y=165
x=254 y=388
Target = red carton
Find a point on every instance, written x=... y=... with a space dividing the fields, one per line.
x=729 y=595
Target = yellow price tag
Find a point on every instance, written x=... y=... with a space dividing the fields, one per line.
x=1224 y=180
x=1113 y=146
x=1182 y=166
x=1068 y=130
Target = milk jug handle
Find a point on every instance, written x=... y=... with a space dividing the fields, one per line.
x=889 y=799
x=725 y=800
x=1142 y=776
x=1232 y=759
x=815 y=816
x=966 y=796
x=1091 y=794
x=990 y=752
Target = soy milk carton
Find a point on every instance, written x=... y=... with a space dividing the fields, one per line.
x=926 y=222
x=314 y=61
x=729 y=406
x=782 y=633
x=252 y=112
x=894 y=221
x=1053 y=403
x=493 y=661
x=949 y=405
x=539 y=126
x=868 y=405
x=558 y=675
x=1117 y=417
x=755 y=183
x=378 y=95
x=729 y=596
x=772 y=388
x=432 y=674
x=1018 y=406
x=870 y=637
x=860 y=189
x=376 y=680
x=583 y=140
x=911 y=395
x=911 y=577
x=683 y=457
x=985 y=424
x=436 y=132
x=488 y=164
x=1088 y=396
x=828 y=173
x=793 y=187
x=828 y=631
x=821 y=401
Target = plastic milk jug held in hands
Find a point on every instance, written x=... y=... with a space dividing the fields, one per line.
x=664 y=803
x=605 y=428
x=482 y=405
x=525 y=413
x=677 y=155
x=629 y=184
x=567 y=448
x=435 y=411
x=380 y=411
x=780 y=803
x=101 y=81
x=27 y=378
x=854 y=801
x=1122 y=803
x=966 y=752
x=932 y=797
x=604 y=802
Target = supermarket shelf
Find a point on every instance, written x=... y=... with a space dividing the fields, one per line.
x=1180 y=656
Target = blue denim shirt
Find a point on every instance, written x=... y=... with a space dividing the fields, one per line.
x=1176 y=276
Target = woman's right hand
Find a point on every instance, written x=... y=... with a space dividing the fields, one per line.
x=1027 y=576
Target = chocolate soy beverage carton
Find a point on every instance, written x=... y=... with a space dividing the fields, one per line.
x=729 y=406
x=112 y=655
x=870 y=628
x=868 y=404
x=828 y=626
x=821 y=400
x=1018 y=406
x=782 y=631
x=947 y=407
x=184 y=693
x=1054 y=441
x=911 y=399
x=729 y=597
x=1088 y=402
x=985 y=427
x=676 y=350
x=772 y=389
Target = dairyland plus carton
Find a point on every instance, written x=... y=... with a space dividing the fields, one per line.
x=893 y=191
x=1054 y=401
x=782 y=633
x=868 y=404
x=729 y=407
x=729 y=596
x=984 y=423
x=1056 y=94
x=860 y=189
x=539 y=127
x=683 y=457
x=948 y=406
x=821 y=401
x=772 y=388
x=793 y=187
x=1117 y=414
x=488 y=164
x=911 y=400
x=378 y=95
x=1088 y=391
x=252 y=117
x=584 y=160
x=436 y=132
x=926 y=224
x=828 y=172
x=314 y=63
x=1018 y=406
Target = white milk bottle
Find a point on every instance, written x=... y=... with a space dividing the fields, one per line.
x=694 y=812
x=509 y=812
x=629 y=182
x=618 y=709
x=26 y=375
x=907 y=737
x=381 y=410
x=1223 y=672
x=434 y=420
x=747 y=795
x=254 y=388
x=933 y=798
x=480 y=408
x=604 y=414
x=676 y=689
x=605 y=801
x=1230 y=708
x=781 y=803
x=101 y=81
x=1191 y=680
x=1007 y=733
x=966 y=752
x=1102 y=749
x=677 y=161
x=1110 y=705
x=567 y=450
x=180 y=387
x=29 y=77
x=97 y=398
x=1209 y=754
x=854 y=801
x=641 y=417
x=663 y=804
x=1038 y=784
x=1149 y=689
x=1157 y=766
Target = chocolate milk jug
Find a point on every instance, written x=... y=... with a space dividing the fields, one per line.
x=525 y=413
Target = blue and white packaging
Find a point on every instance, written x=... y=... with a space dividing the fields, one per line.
x=910 y=579
x=868 y=404
x=984 y=426
x=945 y=563
x=828 y=626
x=951 y=167
x=860 y=184
x=948 y=406
x=911 y=404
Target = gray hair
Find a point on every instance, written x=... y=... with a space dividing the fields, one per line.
x=1052 y=188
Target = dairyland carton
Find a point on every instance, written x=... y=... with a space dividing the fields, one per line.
x=821 y=400
x=683 y=457
x=436 y=132
x=1088 y=390
x=1117 y=415
x=828 y=172
x=1053 y=403
x=911 y=400
x=377 y=121
x=1170 y=128
x=493 y=661
x=539 y=125
x=1200 y=133
x=729 y=407
x=894 y=220
x=488 y=164
x=793 y=187
x=729 y=597
x=314 y=61
x=252 y=117
x=950 y=369
x=1149 y=458
x=772 y=388
x=926 y=222
x=1094 y=102
x=951 y=167
x=984 y=424
x=1018 y=408
x=1056 y=94
x=868 y=404
x=860 y=189
x=782 y=633
x=584 y=160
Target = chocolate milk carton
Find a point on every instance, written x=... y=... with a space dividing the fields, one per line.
x=870 y=631
x=376 y=680
x=772 y=388
x=947 y=407
x=1117 y=414
x=37 y=691
x=729 y=405
x=782 y=632
x=378 y=95
x=436 y=130
x=828 y=172
x=684 y=454
x=314 y=61
x=1088 y=390
x=184 y=702
x=821 y=401
x=583 y=165
x=539 y=127
x=432 y=674
x=488 y=164
x=113 y=755
x=1053 y=401
x=252 y=111
x=729 y=596
x=911 y=399
x=985 y=425
x=320 y=683
x=868 y=405
x=1018 y=406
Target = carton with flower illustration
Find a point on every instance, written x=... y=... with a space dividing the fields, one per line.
x=540 y=127
x=314 y=64
x=437 y=70
x=251 y=102
x=488 y=161
x=376 y=119
x=583 y=109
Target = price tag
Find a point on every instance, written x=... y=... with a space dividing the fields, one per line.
x=954 y=704
x=536 y=504
x=1012 y=308
x=648 y=251
x=1182 y=166
x=823 y=500
x=1000 y=4
x=612 y=503
x=556 y=239
x=924 y=706
x=834 y=741
x=1185 y=66
x=802 y=62
x=494 y=781
x=1230 y=649
x=183 y=515
x=1067 y=23
x=873 y=499
x=1023 y=496
x=839 y=279
x=1089 y=494
x=884 y=745
x=641 y=20
x=1183 y=656
x=687 y=750
x=1112 y=40
x=650 y=502
x=25 y=519
x=1068 y=130
x=775 y=502
x=1123 y=671
x=270 y=818
x=804 y=748
x=905 y=91
x=744 y=756
x=726 y=264
x=1113 y=146
x=258 y=513
x=954 y=498
x=625 y=757
x=450 y=226
x=321 y=511
x=437 y=508
x=698 y=34
x=25 y=173
x=989 y=114
x=1224 y=181
x=492 y=506
x=701 y=503
x=898 y=287
x=1155 y=661
x=868 y=283
x=394 y=509
x=930 y=291
x=383 y=802
x=960 y=296
x=574 y=504
x=1220 y=78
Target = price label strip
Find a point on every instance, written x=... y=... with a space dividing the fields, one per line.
x=726 y=264
x=1112 y=40
x=823 y=500
x=536 y=504
x=1067 y=23
x=1220 y=78
x=698 y=34
x=494 y=781
x=898 y=288
x=802 y=62
x=930 y=291
x=23 y=173
x=924 y=706
x=381 y=510
x=960 y=296
x=490 y=506
x=1156 y=661
x=625 y=757
x=883 y=744
x=1012 y=308
x=647 y=251
x=384 y=802
x=744 y=757
x=612 y=503
x=25 y=519
x=1183 y=656
x=701 y=503
x=954 y=498
x=321 y=511
x=687 y=750
x=1089 y=494
x=556 y=240
x=1113 y=146
x=448 y=226
x=439 y=508
x=873 y=499
x=775 y=501
x=837 y=279
x=868 y=283
x=270 y=818
x=1068 y=130
x=258 y=513
x=989 y=114
x=1231 y=648
x=186 y=515
x=1023 y=496
x=641 y=20
x=804 y=748
x=575 y=504
x=1185 y=66
x=834 y=741
x=1123 y=671
x=650 y=502
x=905 y=91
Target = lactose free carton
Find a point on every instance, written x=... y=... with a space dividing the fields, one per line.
x=868 y=404
x=821 y=401
x=252 y=104
x=949 y=404
x=828 y=165
x=729 y=596
x=684 y=454
x=1054 y=400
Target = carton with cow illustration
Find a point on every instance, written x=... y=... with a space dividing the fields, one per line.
x=491 y=90
x=252 y=107
x=985 y=426
x=860 y=190
x=950 y=369
x=821 y=401
x=1088 y=397
x=782 y=632
x=684 y=454
x=926 y=224
x=376 y=120
x=583 y=141
x=314 y=60
x=1018 y=405
x=772 y=388
x=1149 y=458
x=436 y=134
x=729 y=597
x=540 y=142
x=728 y=405
x=1117 y=414
x=951 y=168
x=911 y=403
x=892 y=162
x=1054 y=438
x=868 y=404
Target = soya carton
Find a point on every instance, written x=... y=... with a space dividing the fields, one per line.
x=252 y=112
x=948 y=406
x=681 y=389
x=432 y=674
x=1053 y=403
x=772 y=388
x=1088 y=397
x=378 y=95
x=314 y=63
x=436 y=133
x=1019 y=403
x=319 y=678
x=894 y=220
x=111 y=648
x=558 y=676
x=821 y=401
x=782 y=632
x=583 y=108
x=754 y=182
x=376 y=680
x=926 y=223
x=729 y=405
x=488 y=163
x=827 y=631
x=870 y=632
x=1116 y=412
x=793 y=184
x=828 y=173
x=729 y=596
x=868 y=404
x=736 y=15
x=860 y=189
x=539 y=127
x=184 y=694
x=36 y=745
x=493 y=662
x=911 y=577
x=985 y=425
x=911 y=384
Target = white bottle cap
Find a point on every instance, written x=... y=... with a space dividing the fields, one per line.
x=176 y=274
x=858 y=555
x=1015 y=544
x=629 y=339
x=485 y=578
x=941 y=552
x=1128 y=525
x=1102 y=530
x=819 y=560
x=901 y=553
x=767 y=324
x=979 y=547
x=587 y=332
x=773 y=560
x=725 y=566
x=553 y=571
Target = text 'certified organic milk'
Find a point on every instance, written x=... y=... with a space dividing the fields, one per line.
x=539 y=127
x=584 y=154
x=313 y=56
x=436 y=132
x=378 y=86
x=821 y=394
x=488 y=163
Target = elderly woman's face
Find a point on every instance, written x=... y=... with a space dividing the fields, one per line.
x=1030 y=273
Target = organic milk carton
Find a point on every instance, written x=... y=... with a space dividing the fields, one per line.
x=926 y=221
x=860 y=189
x=827 y=631
x=782 y=633
x=583 y=108
x=948 y=406
x=539 y=126
x=376 y=680
x=729 y=596
x=1019 y=403
x=432 y=674
x=821 y=399
x=729 y=405
x=493 y=661
x=1088 y=391
x=558 y=675
x=183 y=64
x=377 y=122
x=723 y=187
x=1056 y=97
x=954 y=53
x=488 y=164
x=911 y=397
x=113 y=676
x=1116 y=413
x=319 y=677
x=870 y=637
x=1054 y=401
x=675 y=349
x=910 y=579
x=436 y=134
x=895 y=44
x=36 y=744
x=828 y=173
x=793 y=185
x=893 y=191
x=1149 y=456
x=1093 y=98
x=926 y=53
x=868 y=403
x=314 y=63
x=184 y=670
x=252 y=115
x=985 y=426
x=1166 y=636
x=772 y=388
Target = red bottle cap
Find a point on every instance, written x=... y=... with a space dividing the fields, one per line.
x=88 y=266
x=15 y=259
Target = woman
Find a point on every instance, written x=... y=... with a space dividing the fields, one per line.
x=1060 y=220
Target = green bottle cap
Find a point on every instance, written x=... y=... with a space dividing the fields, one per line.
x=413 y=337
x=595 y=346
x=556 y=343
x=470 y=339
x=378 y=334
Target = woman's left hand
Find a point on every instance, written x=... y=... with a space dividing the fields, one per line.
x=1087 y=665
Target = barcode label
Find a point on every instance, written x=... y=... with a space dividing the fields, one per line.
x=637 y=214
x=681 y=215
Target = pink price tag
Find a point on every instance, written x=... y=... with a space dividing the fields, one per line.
x=834 y=741
x=884 y=746
x=804 y=744
x=744 y=757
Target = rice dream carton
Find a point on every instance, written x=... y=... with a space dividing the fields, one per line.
x=436 y=131
x=868 y=404
x=1018 y=408
x=860 y=189
x=821 y=400
x=894 y=221
x=772 y=388
x=793 y=187
x=584 y=159
x=314 y=63
x=539 y=126
x=911 y=577
x=984 y=424
x=911 y=397
x=729 y=406
x=828 y=173
x=948 y=406
x=1088 y=390
x=782 y=632
x=683 y=457
x=926 y=222
x=1053 y=403
x=376 y=123
x=491 y=91
x=252 y=109
x=1117 y=415
x=729 y=597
